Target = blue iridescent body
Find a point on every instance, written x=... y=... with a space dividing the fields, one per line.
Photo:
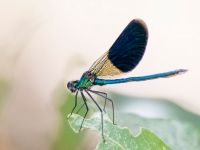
x=140 y=78
x=122 y=57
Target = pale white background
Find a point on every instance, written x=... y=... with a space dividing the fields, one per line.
x=47 y=42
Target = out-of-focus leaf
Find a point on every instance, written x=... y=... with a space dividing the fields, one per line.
x=179 y=128
x=153 y=108
x=66 y=138
x=4 y=89
x=119 y=138
x=179 y=135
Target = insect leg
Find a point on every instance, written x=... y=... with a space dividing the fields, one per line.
x=80 y=108
x=104 y=95
x=99 y=110
x=75 y=104
x=87 y=109
x=106 y=98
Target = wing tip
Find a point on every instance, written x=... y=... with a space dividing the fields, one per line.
x=140 y=22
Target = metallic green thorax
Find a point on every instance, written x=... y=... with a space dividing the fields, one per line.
x=84 y=83
x=86 y=80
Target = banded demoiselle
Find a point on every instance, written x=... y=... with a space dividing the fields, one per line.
x=122 y=57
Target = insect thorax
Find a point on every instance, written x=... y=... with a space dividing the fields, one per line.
x=86 y=80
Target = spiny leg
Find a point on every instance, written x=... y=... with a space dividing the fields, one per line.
x=99 y=110
x=87 y=109
x=113 y=110
x=74 y=104
x=80 y=108
x=103 y=94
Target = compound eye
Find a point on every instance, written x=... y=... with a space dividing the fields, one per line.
x=71 y=86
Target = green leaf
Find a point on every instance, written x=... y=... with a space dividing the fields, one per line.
x=179 y=128
x=65 y=137
x=118 y=138
x=178 y=134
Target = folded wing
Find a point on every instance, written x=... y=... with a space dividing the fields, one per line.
x=125 y=53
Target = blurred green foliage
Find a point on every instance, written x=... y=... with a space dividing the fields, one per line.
x=66 y=139
x=154 y=108
x=179 y=128
x=4 y=89
x=119 y=138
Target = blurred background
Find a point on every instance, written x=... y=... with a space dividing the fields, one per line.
x=44 y=44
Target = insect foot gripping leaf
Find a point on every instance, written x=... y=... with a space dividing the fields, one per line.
x=118 y=138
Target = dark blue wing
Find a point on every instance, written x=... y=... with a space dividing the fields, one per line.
x=129 y=47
